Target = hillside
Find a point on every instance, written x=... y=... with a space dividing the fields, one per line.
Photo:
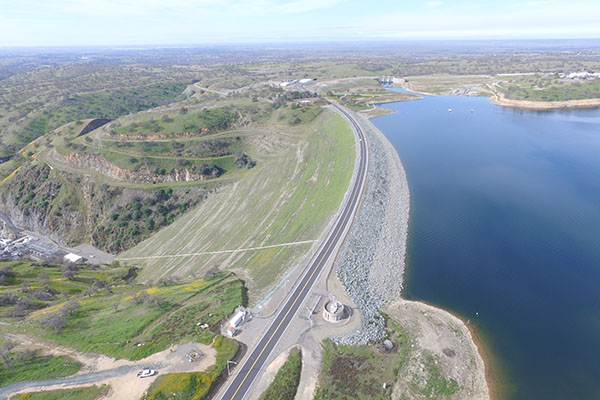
x=300 y=179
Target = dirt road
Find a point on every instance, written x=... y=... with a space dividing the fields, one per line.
x=120 y=375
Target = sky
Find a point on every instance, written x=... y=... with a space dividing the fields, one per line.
x=197 y=22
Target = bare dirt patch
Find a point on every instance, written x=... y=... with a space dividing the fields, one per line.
x=440 y=342
x=128 y=385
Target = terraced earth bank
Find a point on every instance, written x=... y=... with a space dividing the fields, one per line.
x=117 y=184
x=300 y=178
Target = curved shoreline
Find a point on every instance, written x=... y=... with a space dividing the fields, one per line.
x=474 y=343
x=500 y=100
x=372 y=264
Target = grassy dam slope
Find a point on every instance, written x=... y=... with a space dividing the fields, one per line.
x=300 y=180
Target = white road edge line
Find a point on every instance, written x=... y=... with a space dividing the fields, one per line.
x=219 y=251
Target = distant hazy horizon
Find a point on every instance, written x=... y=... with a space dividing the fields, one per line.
x=66 y=23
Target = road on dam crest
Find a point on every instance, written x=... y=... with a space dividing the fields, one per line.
x=250 y=369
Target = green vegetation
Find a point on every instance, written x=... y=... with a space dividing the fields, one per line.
x=286 y=382
x=202 y=147
x=206 y=121
x=197 y=385
x=120 y=226
x=437 y=385
x=29 y=365
x=128 y=324
x=548 y=87
x=100 y=104
x=356 y=372
x=113 y=218
x=93 y=309
x=83 y=393
x=27 y=286
x=362 y=94
x=360 y=372
x=290 y=196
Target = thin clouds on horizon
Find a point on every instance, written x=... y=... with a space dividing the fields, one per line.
x=93 y=22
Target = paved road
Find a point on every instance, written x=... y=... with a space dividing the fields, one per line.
x=251 y=368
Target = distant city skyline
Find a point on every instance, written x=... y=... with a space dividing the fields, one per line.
x=190 y=22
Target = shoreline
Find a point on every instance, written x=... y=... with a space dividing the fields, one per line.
x=493 y=380
x=476 y=343
x=499 y=99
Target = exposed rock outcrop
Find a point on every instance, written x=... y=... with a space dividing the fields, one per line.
x=99 y=163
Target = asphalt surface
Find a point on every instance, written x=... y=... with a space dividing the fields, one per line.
x=248 y=372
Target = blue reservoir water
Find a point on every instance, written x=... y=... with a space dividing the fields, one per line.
x=505 y=232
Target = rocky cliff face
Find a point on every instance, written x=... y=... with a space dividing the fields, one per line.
x=47 y=206
x=72 y=209
x=65 y=231
x=97 y=162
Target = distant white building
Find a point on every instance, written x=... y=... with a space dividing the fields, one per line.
x=72 y=257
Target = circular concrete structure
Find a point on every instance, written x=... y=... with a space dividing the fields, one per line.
x=334 y=311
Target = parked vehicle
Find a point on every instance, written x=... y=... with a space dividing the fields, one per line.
x=146 y=372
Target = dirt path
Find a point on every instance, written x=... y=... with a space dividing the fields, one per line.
x=120 y=375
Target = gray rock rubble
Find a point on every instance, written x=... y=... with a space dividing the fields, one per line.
x=372 y=262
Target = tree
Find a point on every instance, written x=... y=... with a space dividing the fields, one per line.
x=5 y=349
x=6 y=275
x=70 y=307
x=56 y=321
x=69 y=271
x=90 y=291
x=44 y=279
x=139 y=297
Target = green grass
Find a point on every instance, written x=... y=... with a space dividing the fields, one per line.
x=43 y=285
x=356 y=372
x=50 y=195
x=361 y=94
x=285 y=384
x=204 y=121
x=437 y=385
x=100 y=104
x=289 y=196
x=36 y=368
x=116 y=324
x=83 y=393
x=198 y=385
x=359 y=372
x=548 y=87
x=114 y=321
x=201 y=147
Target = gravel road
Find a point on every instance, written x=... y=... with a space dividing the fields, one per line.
x=82 y=379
